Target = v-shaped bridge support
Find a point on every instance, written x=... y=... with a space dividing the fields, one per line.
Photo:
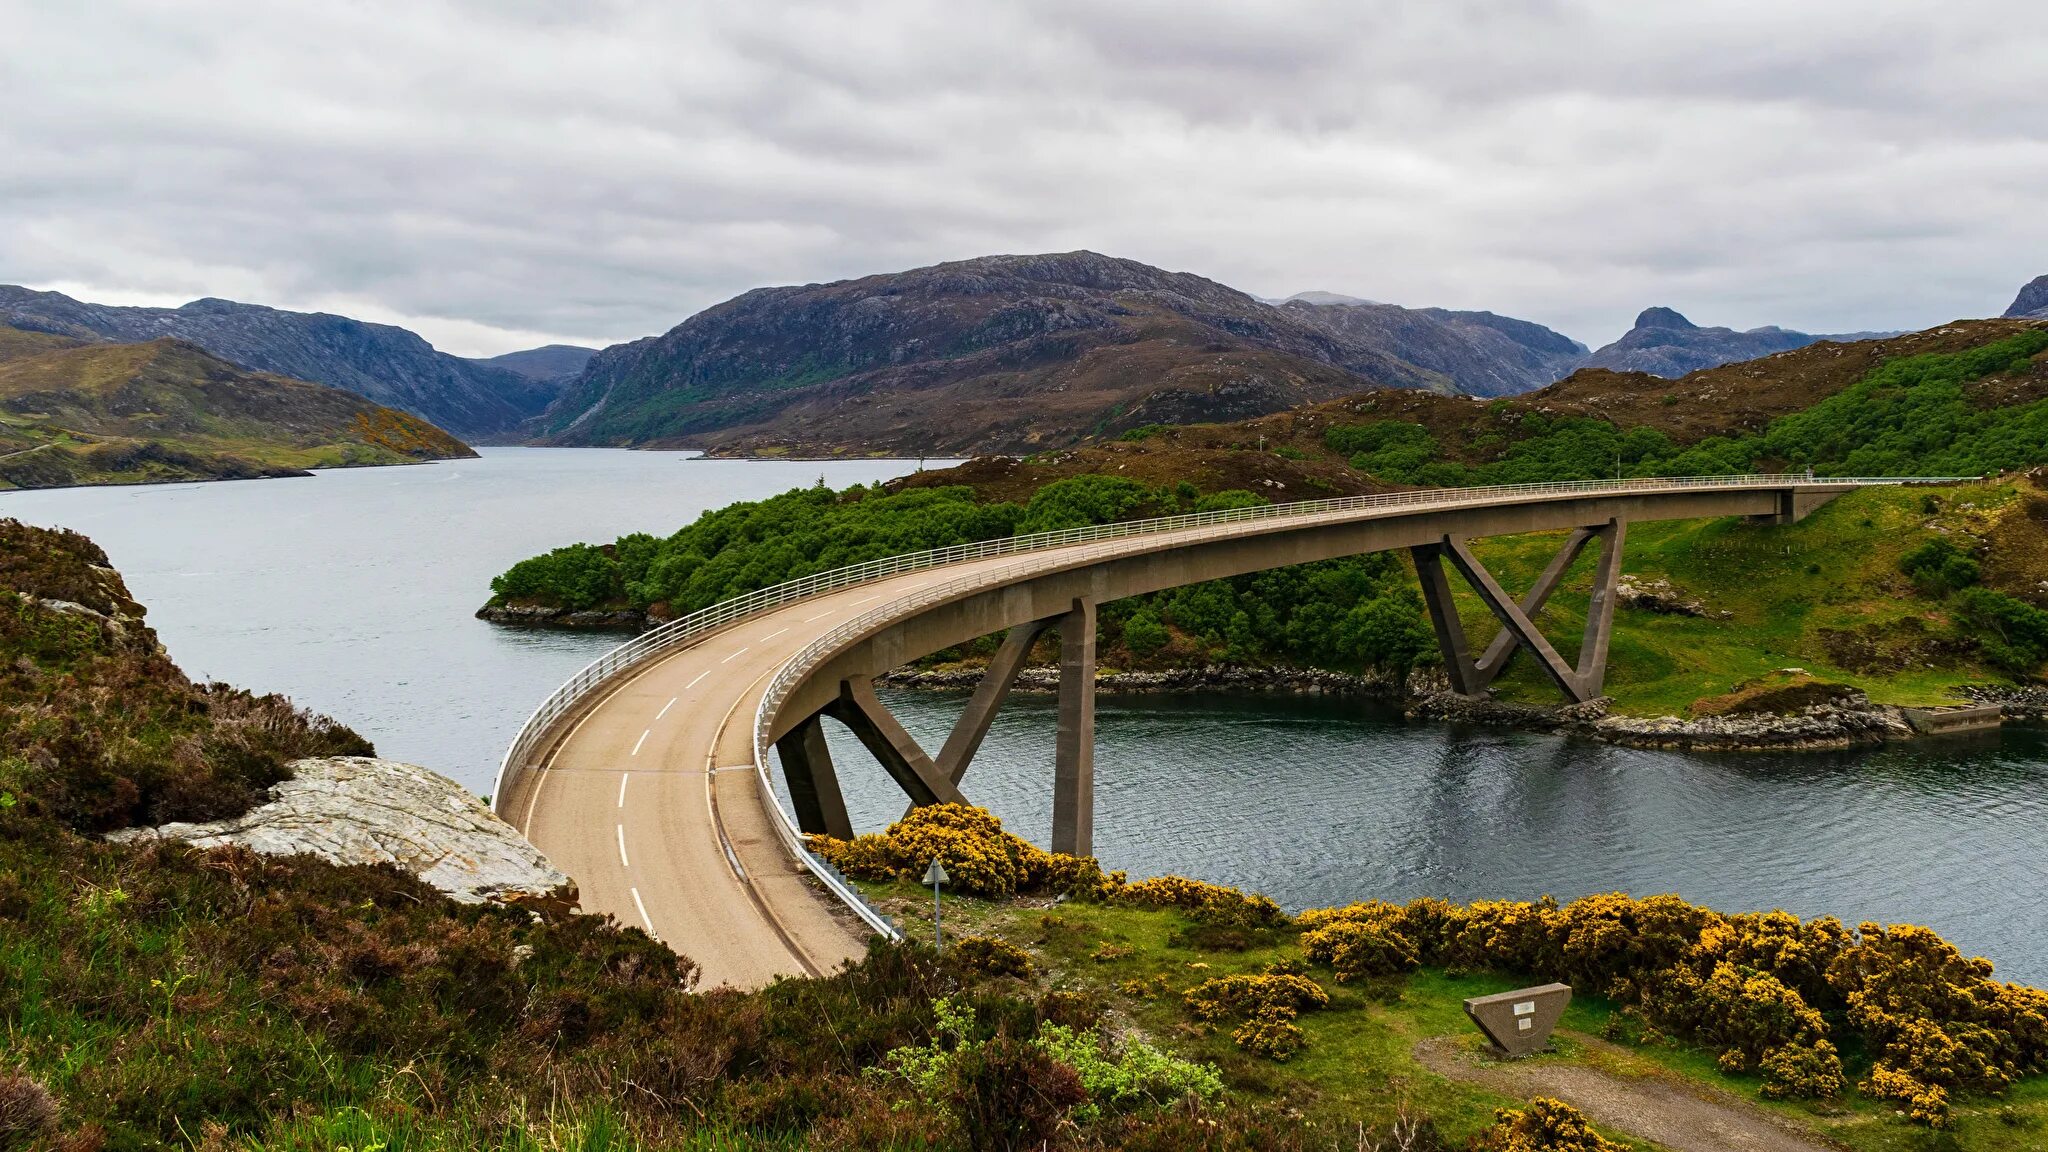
x=1470 y=677
x=814 y=784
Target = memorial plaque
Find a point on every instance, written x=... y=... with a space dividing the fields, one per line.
x=1519 y=1022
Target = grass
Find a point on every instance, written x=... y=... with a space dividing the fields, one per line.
x=1360 y=1059
x=1793 y=594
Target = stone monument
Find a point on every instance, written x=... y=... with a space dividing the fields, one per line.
x=1519 y=1022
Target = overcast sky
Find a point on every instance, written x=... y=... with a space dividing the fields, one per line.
x=501 y=173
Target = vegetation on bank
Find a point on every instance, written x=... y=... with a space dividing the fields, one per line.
x=1911 y=416
x=75 y=413
x=1858 y=1034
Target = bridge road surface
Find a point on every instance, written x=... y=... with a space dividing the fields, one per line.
x=642 y=796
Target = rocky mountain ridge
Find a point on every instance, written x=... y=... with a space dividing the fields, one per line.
x=1015 y=353
x=1664 y=343
x=380 y=362
x=2032 y=302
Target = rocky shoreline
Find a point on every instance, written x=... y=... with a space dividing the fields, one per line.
x=1848 y=722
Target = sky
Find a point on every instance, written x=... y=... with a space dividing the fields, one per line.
x=496 y=174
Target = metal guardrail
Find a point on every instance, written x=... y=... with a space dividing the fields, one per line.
x=688 y=630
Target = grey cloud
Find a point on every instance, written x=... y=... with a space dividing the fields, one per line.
x=490 y=172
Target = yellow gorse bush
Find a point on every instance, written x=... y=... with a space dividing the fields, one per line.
x=1759 y=987
x=1545 y=1126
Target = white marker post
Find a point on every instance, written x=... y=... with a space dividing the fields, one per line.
x=935 y=876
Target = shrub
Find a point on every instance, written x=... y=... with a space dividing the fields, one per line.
x=1137 y=1075
x=1011 y=1095
x=1938 y=567
x=1268 y=1005
x=2011 y=633
x=1925 y=1103
x=1210 y=903
x=1804 y=1071
x=992 y=956
x=1545 y=1126
x=27 y=1112
x=1356 y=948
x=1144 y=634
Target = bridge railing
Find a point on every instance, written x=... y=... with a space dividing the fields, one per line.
x=688 y=629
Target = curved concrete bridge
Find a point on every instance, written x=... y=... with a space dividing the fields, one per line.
x=647 y=777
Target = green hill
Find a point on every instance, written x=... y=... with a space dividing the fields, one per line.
x=75 y=413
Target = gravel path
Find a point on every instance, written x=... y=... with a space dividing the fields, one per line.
x=1678 y=1115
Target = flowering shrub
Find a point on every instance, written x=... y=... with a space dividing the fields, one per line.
x=1925 y=1103
x=993 y=956
x=1546 y=1126
x=981 y=858
x=1268 y=1005
x=1810 y=1071
x=1211 y=903
x=1759 y=986
x=1357 y=948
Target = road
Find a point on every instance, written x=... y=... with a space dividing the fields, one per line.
x=650 y=801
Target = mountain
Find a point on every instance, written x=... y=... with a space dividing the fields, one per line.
x=73 y=412
x=1665 y=343
x=2032 y=302
x=548 y=362
x=1001 y=354
x=380 y=362
x=1482 y=353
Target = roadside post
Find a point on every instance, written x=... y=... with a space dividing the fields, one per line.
x=935 y=876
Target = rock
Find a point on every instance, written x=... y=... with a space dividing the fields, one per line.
x=2032 y=302
x=1213 y=677
x=1660 y=596
x=359 y=810
x=549 y=616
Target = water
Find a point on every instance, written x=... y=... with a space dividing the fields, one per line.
x=1320 y=801
x=352 y=592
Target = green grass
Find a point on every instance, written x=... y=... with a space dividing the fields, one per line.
x=1765 y=577
x=1360 y=1061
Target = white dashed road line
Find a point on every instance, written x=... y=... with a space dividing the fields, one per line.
x=734 y=656
x=819 y=616
x=643 y=913
x=623 y=862
x=774 y=634
x=623 y=777
x=697 y=681
x=671 y=703
x=640 y=741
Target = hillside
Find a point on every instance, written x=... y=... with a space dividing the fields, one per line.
x=1664 y=343
x=1484 y=354
x=380 y=362
x=1001 y=353
x=560 y=362
x=94 y=413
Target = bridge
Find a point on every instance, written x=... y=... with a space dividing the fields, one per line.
x=647 y=776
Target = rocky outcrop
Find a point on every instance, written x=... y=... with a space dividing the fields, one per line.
x=1660 y=596
x=1664 y=343
x=2032 y=302
x=2028 y=704
x=550 y=616
x=358 y=810
x=1851 y=723
x=1482 y=353
x=379 y=362
x=1210 y=678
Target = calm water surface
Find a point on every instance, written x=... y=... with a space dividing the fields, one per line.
x=352 y=592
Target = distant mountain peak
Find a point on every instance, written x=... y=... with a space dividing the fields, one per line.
x=1326 y=298
x=2032 y=300
x=1664 y=318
